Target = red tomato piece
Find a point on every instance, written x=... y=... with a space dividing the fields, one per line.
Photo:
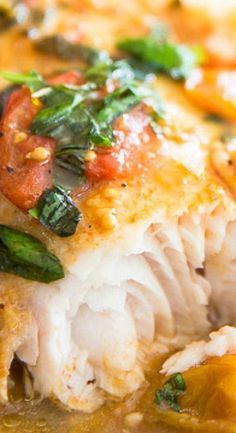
x=24 y=171
x=69 y=77
x=133 y=136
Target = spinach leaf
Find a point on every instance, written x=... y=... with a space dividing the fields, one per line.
x=24 y=255
x=31 y=79
x=171 y=390
x=64 y=49
x=56 y=211
x=174 y=59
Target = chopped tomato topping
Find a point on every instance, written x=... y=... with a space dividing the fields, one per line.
x=25 y=159
x=133 y=135
x=69 y=77
x=213 y=89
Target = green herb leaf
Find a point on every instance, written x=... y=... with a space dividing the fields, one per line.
x=118 y=70
x=71 y=127
x=56 y=211
x=22 y=254
x=31 y=79
x=64 y=49
x=174 y=59
x=115 y=104
x=79 y=119
x=171 y=390
x=60 y=103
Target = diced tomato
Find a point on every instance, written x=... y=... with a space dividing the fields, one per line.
x=23 y=176
x=69 y=77
x=133 y=136
x=106 y=166
x=214 y=90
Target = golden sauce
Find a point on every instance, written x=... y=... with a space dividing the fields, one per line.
x=45 y=417
x=208 y=406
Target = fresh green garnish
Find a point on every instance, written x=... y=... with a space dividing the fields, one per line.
x=118 y=70
x=59 y=46
x=56 y=211
x=160 y=55
x=22 y=254
x=32 y=79
x=168 y=395
x=116 y=103
x=82 y=121
x=80 y=118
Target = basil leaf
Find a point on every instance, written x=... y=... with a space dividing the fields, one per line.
x=174 y=59
x=60 y=103
x=31 y=79
x=78 y=118
x=118 y=70
x=56 y=211
x=116 y=103
x=173 y=388
x=64 y=49
x=22 y=254
x=103 y=136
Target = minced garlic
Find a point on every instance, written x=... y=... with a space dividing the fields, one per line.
x=39 y=154
x=90 y=156
x=20 y=136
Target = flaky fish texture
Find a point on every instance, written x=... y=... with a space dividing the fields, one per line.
x=220 y=343
x=142 y=270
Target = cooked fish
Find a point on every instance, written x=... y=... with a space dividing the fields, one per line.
x=220 y=343
x=137 y=271
x=148 y=253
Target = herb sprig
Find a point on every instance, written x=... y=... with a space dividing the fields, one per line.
x=172 y=389
x=24 y=255
x=59 y=46
x=56 y=211
x=161 y=55
x=31 y=79
x=80 y=118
